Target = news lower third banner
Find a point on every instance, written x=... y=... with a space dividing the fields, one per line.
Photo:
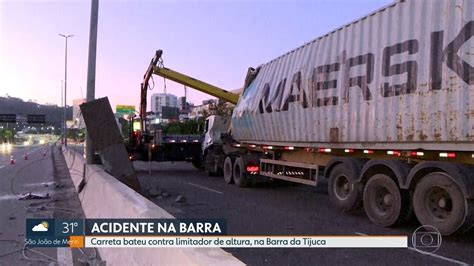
x=180 y=233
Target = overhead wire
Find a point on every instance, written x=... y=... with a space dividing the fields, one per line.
x=51 y=259
x=11 y=252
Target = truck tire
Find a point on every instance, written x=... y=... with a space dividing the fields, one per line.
x=384 y=203
x=342 y=193
x=240 y=176
x=228 y=170
x=439 y=202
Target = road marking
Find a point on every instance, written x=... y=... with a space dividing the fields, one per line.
x=64 y=256
x=2 y=166
x=427 y=253
x=206 y=188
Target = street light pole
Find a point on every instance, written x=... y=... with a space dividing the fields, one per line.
x=65 y=88
x=91 y=62
x=62 y=117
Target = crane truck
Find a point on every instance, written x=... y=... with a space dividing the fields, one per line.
x=382 y=107
x=149 y=143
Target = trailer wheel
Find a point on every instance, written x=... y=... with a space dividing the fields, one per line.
x=384 y=203
x=439 y=202
x=228 y=171
x=341 y=192
x=240 y=176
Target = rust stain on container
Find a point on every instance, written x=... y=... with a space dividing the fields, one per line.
x=399 y=128
x=334 y=134
x=423 y=118
x=422 y=136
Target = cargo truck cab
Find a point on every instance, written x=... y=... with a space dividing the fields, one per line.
x=212 y=146
x=213 y=127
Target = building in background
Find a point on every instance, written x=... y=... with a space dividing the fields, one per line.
x=158 y=100
x=210 y=102
x=198 y=111
x=78 y=121
x=183 y=117
x=182 y=104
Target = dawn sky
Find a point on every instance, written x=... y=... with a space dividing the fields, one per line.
x=215 y=41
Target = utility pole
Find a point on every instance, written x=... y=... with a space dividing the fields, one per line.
x=65 y=88
x=62 y=117
x=91 y=69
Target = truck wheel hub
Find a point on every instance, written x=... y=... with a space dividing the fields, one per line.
x=387 y=199
x=438 y=203
x=342 y=187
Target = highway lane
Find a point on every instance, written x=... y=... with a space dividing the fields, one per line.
x=13 y=149
x=287 y=210
x=40 y=174
x=22 y=177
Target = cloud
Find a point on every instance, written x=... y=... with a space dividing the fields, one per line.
x=39 y=228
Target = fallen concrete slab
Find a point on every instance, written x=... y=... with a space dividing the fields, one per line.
x=103 y=196
x=107 y=140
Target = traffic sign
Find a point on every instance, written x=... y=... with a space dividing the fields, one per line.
x=125 y=109
x=7 y=118
x=36 y=119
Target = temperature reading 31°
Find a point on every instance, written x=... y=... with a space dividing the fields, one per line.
x=69 y=228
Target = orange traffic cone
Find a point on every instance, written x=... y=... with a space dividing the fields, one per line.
x=25 y=156
x=12 y=160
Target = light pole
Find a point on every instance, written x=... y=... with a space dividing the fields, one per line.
x=65 y=88
x=91 y=60
x=62 y=117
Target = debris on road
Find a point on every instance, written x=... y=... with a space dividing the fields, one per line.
x=31 y=196
x=154 y=192
x=52 y=183
x=180 y=199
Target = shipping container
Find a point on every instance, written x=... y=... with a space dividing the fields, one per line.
x=400 y=78
x=381 y=107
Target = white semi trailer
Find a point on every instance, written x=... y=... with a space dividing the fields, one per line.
x=383 y=107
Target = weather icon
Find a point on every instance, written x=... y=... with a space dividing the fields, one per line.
x=41 y=227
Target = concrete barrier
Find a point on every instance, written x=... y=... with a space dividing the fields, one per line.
x=105 y=197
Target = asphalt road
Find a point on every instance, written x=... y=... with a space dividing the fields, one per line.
x=40 y=174
x=287 y=210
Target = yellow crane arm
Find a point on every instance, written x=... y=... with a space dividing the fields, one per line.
x=195 y=84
